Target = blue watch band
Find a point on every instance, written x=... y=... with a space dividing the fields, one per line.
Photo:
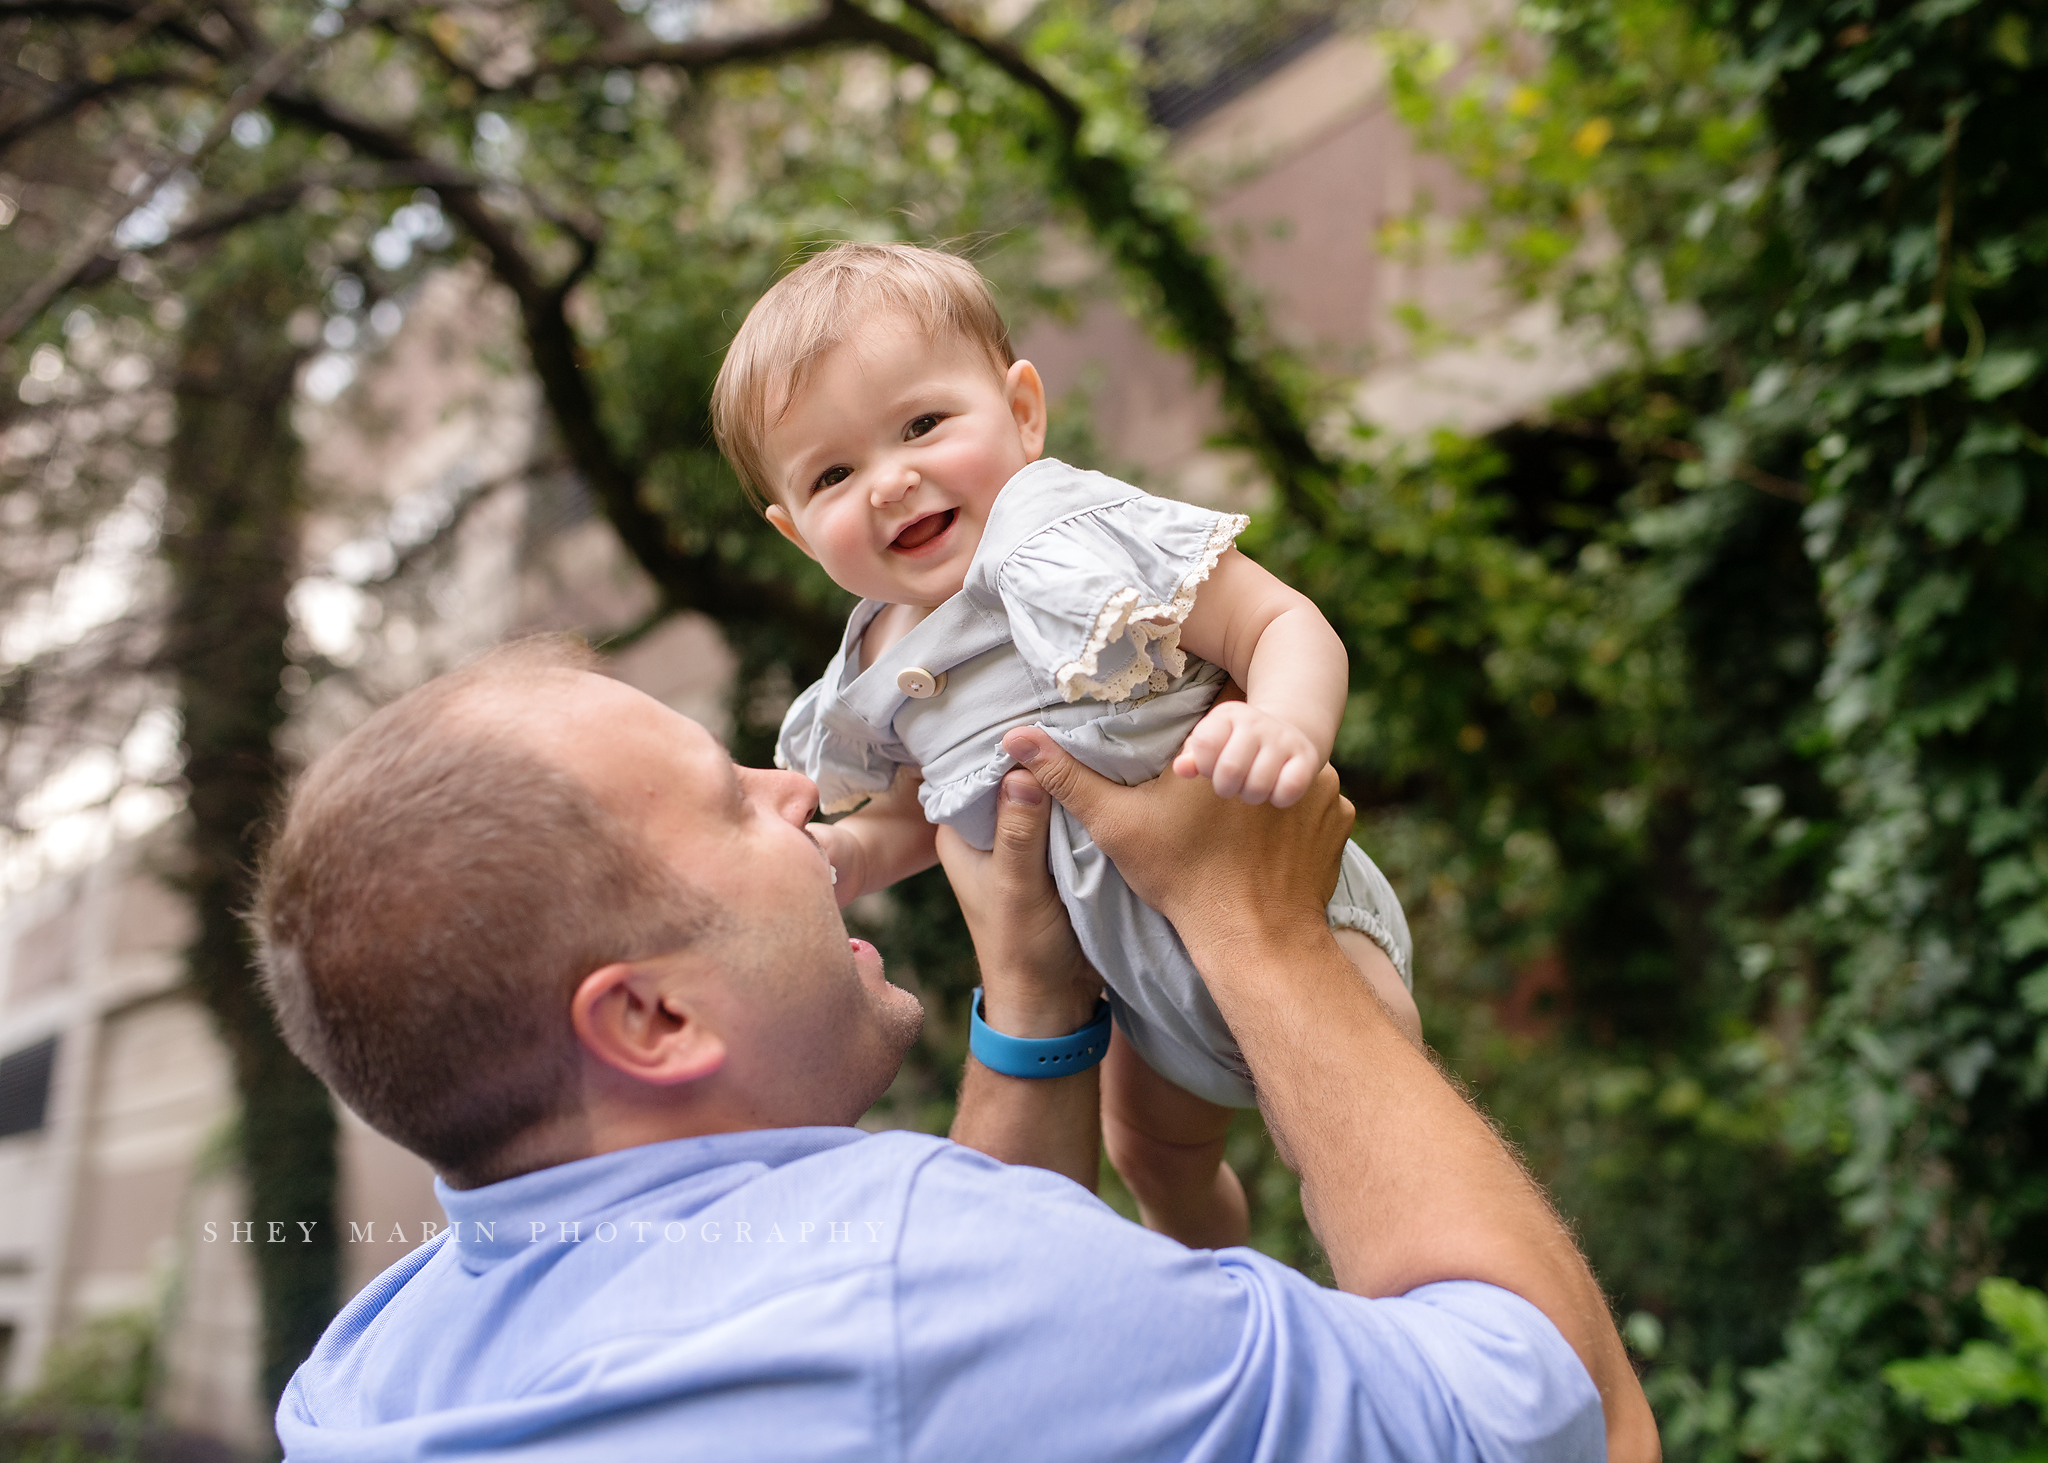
x=1017 y=1056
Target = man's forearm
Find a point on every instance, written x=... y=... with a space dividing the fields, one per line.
x=1051 y=1122
x=1037 y=985
x=1047 y=1122
x=1403 y=1183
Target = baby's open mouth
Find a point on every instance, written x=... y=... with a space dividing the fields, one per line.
x=921 y=531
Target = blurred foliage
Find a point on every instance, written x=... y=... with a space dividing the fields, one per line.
x=1845 y=573
x=104 y=1364
x=1990 y=1375
x=90 y=1402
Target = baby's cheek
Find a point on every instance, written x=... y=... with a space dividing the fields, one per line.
x=845 y=549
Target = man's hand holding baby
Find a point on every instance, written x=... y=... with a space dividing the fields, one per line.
x=1251 y=755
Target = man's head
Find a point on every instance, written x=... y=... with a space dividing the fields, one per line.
x=526 y=914
x=872 y=401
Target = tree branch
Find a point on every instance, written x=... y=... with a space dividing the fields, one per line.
x=123 y=16
x=1944 y=227
x=145 y=20
x=1007 y=59
x=605 y=18
x=840 y=23
x=105 y=219
x=71 y=98
x=694 y=581
x=1680 y=450
x=449 y=62
x=1745 y=472
x=282 y=199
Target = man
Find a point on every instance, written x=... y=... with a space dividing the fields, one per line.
x=541 y=930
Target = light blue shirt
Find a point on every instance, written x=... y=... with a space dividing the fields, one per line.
x=822 y=1293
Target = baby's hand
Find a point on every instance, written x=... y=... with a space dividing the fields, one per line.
x=1250 y=754
x=849 y=859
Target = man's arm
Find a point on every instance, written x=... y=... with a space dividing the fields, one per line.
x=1036 y=984
x=1403 y=1183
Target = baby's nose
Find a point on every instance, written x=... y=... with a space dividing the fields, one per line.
x=895 y=487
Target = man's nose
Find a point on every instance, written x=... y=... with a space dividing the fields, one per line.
x=893 y=486
x=791 y=794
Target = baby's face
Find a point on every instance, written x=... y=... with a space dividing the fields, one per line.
x=885 y=466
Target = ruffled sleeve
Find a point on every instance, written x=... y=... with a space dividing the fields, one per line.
x=848 y=769
x=1096 y=600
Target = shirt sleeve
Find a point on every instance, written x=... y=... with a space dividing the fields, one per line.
x=1028 y=1310
x=1096 y=600
x=847 y=771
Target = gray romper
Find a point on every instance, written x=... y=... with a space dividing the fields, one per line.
x=1070 y=620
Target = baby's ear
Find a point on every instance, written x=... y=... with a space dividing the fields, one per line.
x=786 y=526
x=1026 y=393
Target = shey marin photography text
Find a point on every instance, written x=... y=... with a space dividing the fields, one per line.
x=564 y=1232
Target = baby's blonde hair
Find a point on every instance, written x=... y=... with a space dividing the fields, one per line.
x=821 y=304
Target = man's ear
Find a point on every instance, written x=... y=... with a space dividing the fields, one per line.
x=1026 y=394
x=786 y=526
x=633 y=1020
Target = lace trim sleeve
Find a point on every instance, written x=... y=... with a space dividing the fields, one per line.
x=1152 y=629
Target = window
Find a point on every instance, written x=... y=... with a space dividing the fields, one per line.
x=25 y=1087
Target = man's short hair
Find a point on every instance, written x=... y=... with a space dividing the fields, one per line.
x=819 y=305
x=429 y=901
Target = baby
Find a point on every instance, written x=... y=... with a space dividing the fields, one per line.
x=872 y=402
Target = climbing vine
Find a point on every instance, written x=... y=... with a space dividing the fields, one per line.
x=1835 y=188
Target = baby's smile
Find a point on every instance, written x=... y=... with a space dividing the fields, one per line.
x=925 y=532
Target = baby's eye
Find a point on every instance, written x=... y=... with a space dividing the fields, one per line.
x=920 y=425
x=831 y=477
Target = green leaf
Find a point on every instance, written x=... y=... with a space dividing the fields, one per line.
x=2034 y=993
x=1976 y=497
x=2009 y=39
x=2023 y=936
x=2022 y=1313
x=1931 y=13
x=1951 y=1387
x=2001 y=370
x=1843 y=146
x=2008 y=877
x=1912 y=380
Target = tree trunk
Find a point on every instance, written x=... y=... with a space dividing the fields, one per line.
x=230 y=539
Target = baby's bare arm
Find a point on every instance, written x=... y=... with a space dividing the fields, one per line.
x=1293 y=667
x=886 y=840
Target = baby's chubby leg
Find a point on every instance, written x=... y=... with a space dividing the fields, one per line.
x=1167 y=1144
